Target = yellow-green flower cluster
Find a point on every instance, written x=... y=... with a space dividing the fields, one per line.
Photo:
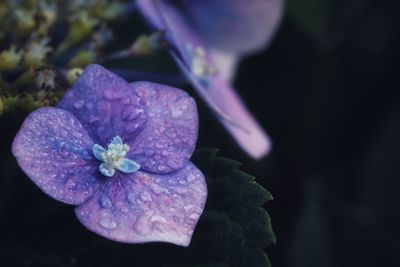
x=43 y=41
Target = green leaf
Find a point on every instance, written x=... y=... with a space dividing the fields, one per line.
x=234 y=228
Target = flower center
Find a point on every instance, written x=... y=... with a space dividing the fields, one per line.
x=114 y=158
x=199 y=65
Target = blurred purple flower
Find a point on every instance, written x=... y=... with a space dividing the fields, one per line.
x=207 y=38
x=120 y=152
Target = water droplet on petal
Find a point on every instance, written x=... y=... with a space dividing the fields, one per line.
x=131 y=127
x=145 y=197
x=181 y=190
x=161 y=168
x=130 y=113
x=135 y=100
x=122 y=207
x=193 y=216
x=156 y=189
x=70 y=184
x=90 y=105
x=105 y=201
x=149 y=152
x=173 y=164
x=191 y=178
x=93 y=119
x=113 y=93
x=79 y=104
x=159 y=145
x=132 y=198
x=108 y=223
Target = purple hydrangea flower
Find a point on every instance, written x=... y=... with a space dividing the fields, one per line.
x=207 y=38
x=120 y=152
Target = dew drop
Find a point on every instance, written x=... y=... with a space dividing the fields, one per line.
x=108 y=223
x=181 y=190
x=131 y=127
x=161 y=168
x=159 y=145
x=157 y=218
x=145 y=197
x=81 y=213
x=122 y=207
x=79 y=104
x=86 y=155
x=172 y=181
x=135 y=100
x=112 y=94
x=93 y=119
x=156 y=189
x=130 y=113
x=132 y=198
x=70 y=184
x=149 y=152
x=193 y=216
x=191 y=178
x=105 y=201
x=173 y=164
x=65 y=153
x=90 y=105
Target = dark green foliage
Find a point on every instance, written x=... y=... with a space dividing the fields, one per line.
x=234 y=228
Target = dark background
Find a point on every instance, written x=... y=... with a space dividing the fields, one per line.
x=327 y=91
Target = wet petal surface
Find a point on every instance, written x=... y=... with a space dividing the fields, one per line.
x=143 y=207
x=54 y=150
x=169 y=137
x=106 y=105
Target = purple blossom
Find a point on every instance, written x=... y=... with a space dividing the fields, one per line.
x=207 y=39
x=120 y=152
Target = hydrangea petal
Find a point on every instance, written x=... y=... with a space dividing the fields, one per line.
x=54 y=150
x=169 y=138
x=150 y=10
x=226 y=64
x=232 y=113
x=218 y=94
x=106 y=105
x=143 y=207
x=178 y=32
x=236 y=26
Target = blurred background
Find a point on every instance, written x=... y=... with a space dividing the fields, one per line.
x=327 y=92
